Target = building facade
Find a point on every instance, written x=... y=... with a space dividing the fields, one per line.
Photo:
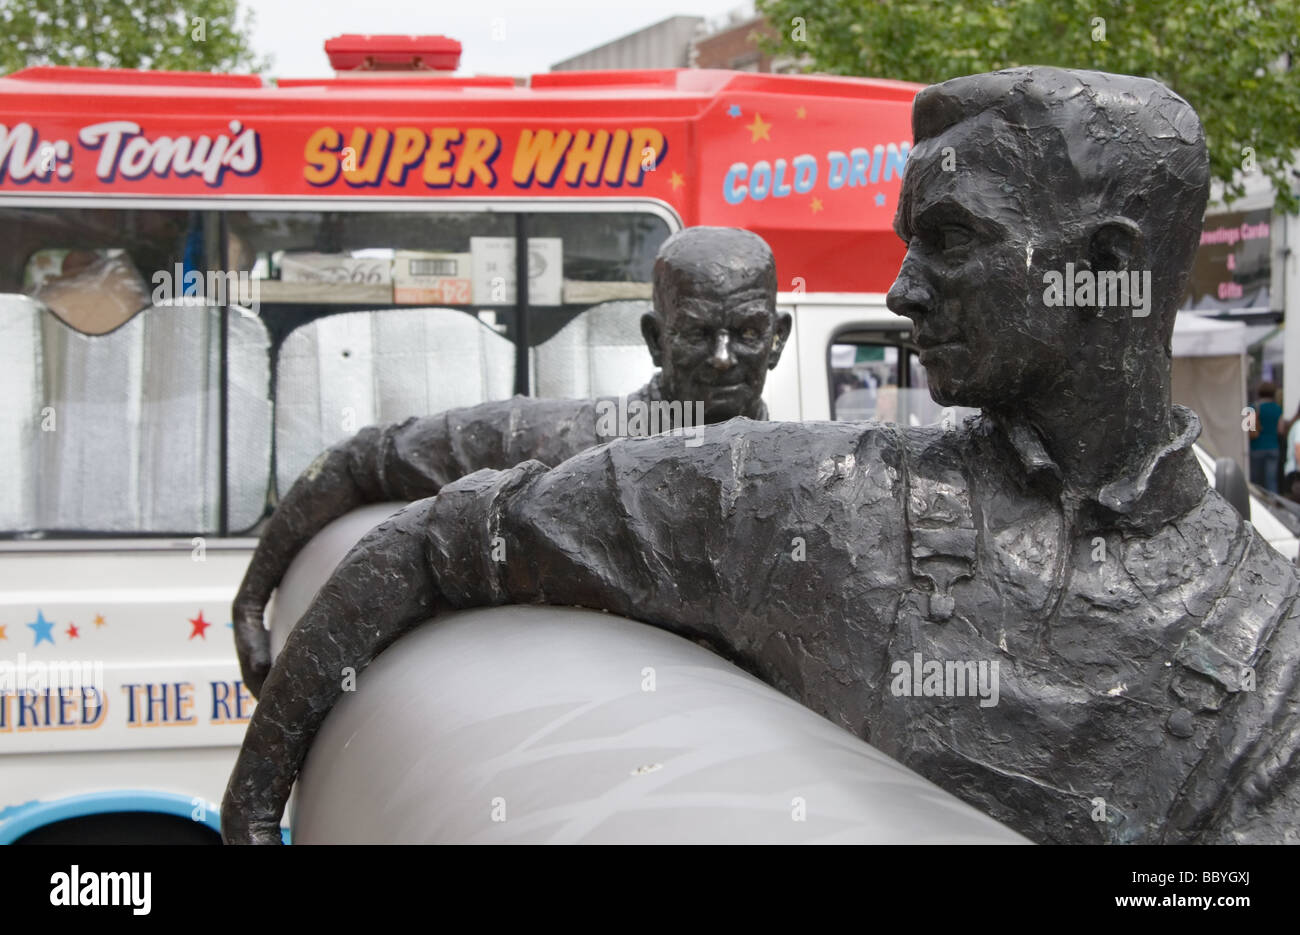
x=666 y=44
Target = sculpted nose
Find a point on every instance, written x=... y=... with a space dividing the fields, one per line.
x=722 y=358
x=910 y=296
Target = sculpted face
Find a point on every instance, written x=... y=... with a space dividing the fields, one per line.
x=717 y=332
x=979 y=236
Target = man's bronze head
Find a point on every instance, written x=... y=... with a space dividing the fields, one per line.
x=715 y=331
x=1022 y=179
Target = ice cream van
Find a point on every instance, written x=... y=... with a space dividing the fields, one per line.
x=207 y=279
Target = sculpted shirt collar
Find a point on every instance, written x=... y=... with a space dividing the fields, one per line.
x=1162 y=489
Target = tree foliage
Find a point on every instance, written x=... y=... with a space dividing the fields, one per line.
x=1231 y=59
x=169 y=35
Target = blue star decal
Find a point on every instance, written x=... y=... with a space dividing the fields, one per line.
x=42 y=628
x=880 y=199
x=733 y=110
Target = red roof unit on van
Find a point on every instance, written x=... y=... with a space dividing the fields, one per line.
x=377 y=53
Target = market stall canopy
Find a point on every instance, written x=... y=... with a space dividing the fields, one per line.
x=1198 y=336
x=1209 y=377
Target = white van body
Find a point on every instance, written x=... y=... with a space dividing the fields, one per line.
x=155 y=616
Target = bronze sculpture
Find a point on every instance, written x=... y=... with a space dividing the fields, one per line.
x=714 y=332
x=1146 y=640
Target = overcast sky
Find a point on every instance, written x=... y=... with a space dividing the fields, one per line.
x=537 y=33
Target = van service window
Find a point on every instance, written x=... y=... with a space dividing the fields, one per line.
x=130 y=333
x=117 y=386
x=375 y=316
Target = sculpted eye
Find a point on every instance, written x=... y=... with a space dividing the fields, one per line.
x=953 y=236
x=750 y=334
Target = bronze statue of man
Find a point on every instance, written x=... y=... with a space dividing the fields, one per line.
x=1145 y=641
x=713 y=331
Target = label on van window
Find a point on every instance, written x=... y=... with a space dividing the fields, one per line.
x=494 y=270
x=427 y=277
x=335 y=267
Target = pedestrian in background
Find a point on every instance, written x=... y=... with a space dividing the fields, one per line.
x=1265 y=446
x=1290 y=431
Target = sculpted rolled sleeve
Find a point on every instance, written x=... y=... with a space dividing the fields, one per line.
x=746 y=541
x=410 y=460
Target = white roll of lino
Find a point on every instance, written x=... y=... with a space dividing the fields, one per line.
x=561 y=725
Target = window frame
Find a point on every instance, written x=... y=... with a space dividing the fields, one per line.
x=874 y=337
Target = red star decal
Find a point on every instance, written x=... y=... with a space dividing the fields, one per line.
x=73 y=632
x=200 y=626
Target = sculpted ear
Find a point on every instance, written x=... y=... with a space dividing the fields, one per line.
x=652 y=334
x=1116 y=244
x=780 y=334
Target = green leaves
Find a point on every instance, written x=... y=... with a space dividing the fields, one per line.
x=168 y=35
x=1232 y=59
